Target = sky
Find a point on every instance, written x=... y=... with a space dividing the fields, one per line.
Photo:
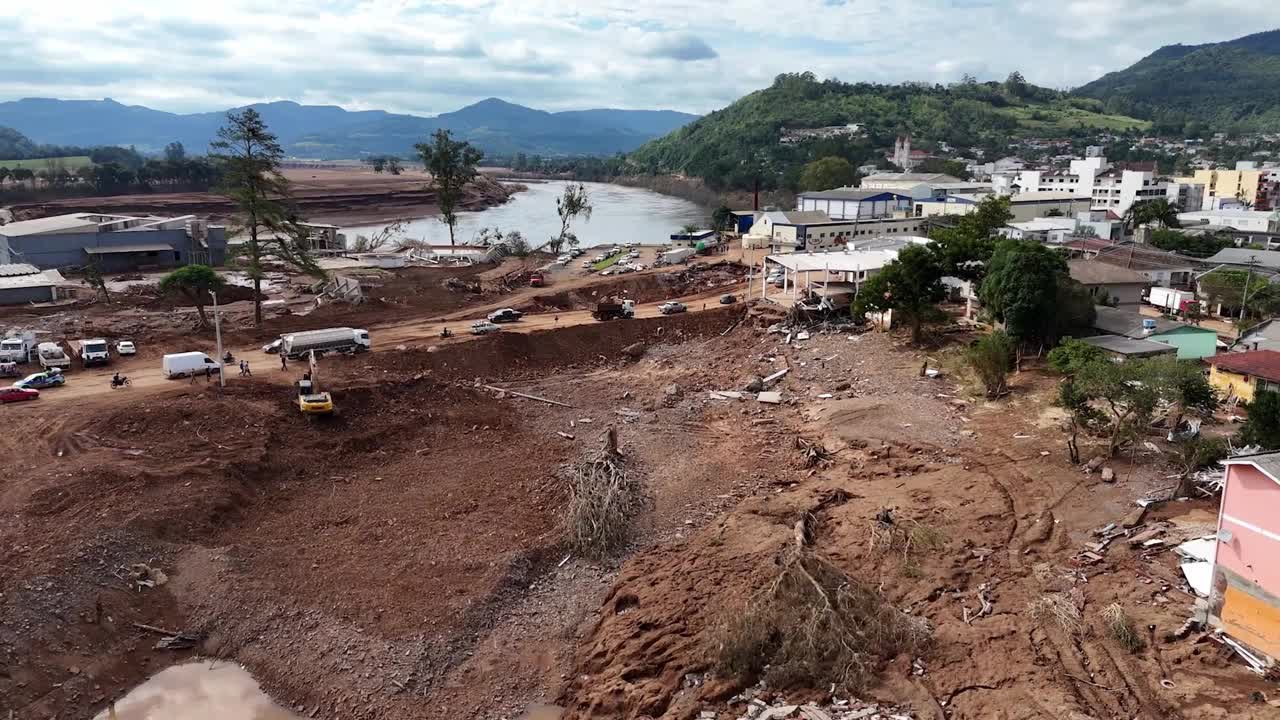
x=427 y=58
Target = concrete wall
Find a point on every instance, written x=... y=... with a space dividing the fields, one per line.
x=22 y=296
x=1229 y=383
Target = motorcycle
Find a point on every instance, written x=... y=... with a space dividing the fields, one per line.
x=228 y=358
x=119 y=381
x=445 y=333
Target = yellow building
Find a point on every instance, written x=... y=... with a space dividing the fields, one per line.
x=1248 y=185
x=1243 y=374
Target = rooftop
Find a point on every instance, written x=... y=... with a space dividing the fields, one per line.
x=90 y=222
x=1244 y=256
x=18 y=269
x=872 y=258
x=1129 y=346
x=39 y=279
x=1092 y=272
x=849 y=193
x=1134 y=257
x=1130 y=324
x=797 y=217
x=1257 y=363
x=911 y=177
x=1044 y=224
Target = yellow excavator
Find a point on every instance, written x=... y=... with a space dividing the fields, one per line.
x=311 y=399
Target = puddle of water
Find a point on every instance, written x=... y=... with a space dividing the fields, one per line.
x=543 y=712
x=209 y=690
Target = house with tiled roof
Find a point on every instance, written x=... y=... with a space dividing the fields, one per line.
x=1242 y=375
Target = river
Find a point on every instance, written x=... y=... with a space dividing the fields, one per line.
x=620 y=214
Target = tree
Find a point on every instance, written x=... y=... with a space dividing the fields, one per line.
x=965 y=248
x=991 y=357
x=394 y=166
x=250 y=157
x=1160 y=211
x=1015 y=85
x=94 y=278
x=1262 y=428
x=1197 y=246
x=827 y=173
x=574 y=202
x=193 y=282
x=1228 y=287
x=1024 y=285
x=452 y=164
x=1126 y=392
x=911 y=286
x=379 y=164
x=174 y=152
x=721 y=217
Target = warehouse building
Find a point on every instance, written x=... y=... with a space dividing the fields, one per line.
x=117 y=243
x=22 y=284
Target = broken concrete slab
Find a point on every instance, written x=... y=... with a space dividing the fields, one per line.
x=772 y=398
x=770 y=379
x=1108 y=475
x=1134 y=518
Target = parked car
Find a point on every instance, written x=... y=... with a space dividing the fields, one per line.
x=273 y=347
x=672 y=307
x=634 y=253
x=126 y=347
x=577 y=252
x=484 y=327
x=587 y=264
x=728 y=299
x=18 y=394
x=40 y=380
x=505 y=315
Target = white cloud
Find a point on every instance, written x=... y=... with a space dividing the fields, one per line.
x=431 y=56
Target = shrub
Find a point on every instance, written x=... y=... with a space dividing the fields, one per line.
x=991 y=357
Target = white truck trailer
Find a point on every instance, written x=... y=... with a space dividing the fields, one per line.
x=93 y=351
x=51 y=355
x=1169 y=300
x=344 y=340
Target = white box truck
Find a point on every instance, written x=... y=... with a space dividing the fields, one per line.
x=50 y=355
x=18 y=346
x=1169 y=300
x=671 y=257
x=187 y=363
x=297 y=345
x=93 y=351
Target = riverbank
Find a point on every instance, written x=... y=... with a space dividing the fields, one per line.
x=340 y=196
x=695 y=190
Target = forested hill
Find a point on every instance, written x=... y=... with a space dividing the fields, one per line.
x=1226 y=86
x=732 y=146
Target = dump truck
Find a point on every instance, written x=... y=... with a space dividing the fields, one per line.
x=51 y=355
x=610 y=308
x=344 y=340
x=93 y=351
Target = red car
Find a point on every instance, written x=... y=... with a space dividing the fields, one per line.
x=17 y=394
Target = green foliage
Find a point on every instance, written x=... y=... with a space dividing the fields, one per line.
x=827 y=173
x=1262 y=428
x=1227 y=286
x=1183 y=88
x=1159 y=212
x=569 y=206
x=954 y=168
x=911 y=286
x=965 y=248
x=452 y=164
x=1027 y=287
x=722 y=218
x=1119 y=398
x=992 y=357
x=735 y=146
x=1198 y=246
x=194 y=282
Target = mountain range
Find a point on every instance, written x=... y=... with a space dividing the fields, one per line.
x=327 y=132
x=1232 y=85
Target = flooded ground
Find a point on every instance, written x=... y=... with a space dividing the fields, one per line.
x=207 y=690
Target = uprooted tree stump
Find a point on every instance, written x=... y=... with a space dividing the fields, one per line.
x=604 y=500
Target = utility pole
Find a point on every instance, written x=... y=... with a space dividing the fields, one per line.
x=217 y=331
x=1244 y=299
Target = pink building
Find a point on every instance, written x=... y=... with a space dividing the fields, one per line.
x=1245 y=601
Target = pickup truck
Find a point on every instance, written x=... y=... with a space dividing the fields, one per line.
x=51 y=355
x=505 y=315
x=483 y=327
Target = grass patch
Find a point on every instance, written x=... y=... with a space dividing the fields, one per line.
x=1062 y=609
x=71 y=163
x=612 y=260
x=907 y=537
x=1065 y=117
x=812 y=627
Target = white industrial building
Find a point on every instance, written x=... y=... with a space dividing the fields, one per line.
x=1109 y=188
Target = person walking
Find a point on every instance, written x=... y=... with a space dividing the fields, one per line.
x=241 y=368
x=284 y=362
x=247 y=371
x=208 y=374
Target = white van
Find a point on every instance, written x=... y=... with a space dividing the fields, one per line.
x=188 y=363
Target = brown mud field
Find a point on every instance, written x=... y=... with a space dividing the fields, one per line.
x=341 y=197
x=407 y=558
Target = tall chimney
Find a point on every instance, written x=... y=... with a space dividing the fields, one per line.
x=755 y=202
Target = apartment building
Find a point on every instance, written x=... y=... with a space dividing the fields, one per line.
x=1257 y=189
x=1108 y=187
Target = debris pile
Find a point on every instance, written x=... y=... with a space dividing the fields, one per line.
x=757 y=708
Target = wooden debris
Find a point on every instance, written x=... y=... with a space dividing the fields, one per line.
x=564 y=435
x=525 y=395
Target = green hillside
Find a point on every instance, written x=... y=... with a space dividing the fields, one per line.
x=1192 y=89
x=733 y=146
